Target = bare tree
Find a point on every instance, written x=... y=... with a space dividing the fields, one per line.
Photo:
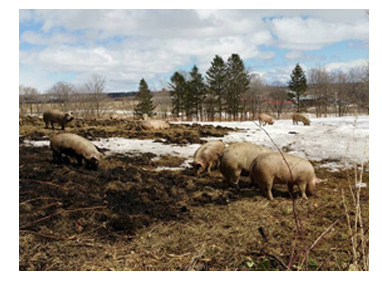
x=319 y=88
x=28 y=97
x=62 y=93
x=162 y=100
x=279 y=96
x=255 y=95
x=341 y=93
x=94 y=91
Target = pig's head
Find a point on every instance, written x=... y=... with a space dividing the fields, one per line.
x=69 y=116
x=312 y=185
x=93 y=161
x=271 y=122
x=199 y=167
x=306 y=122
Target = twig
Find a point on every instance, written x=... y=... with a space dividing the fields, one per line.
x=61 y=212
x=322 y=236
x=299 y=231
x=53 y=237
x=43 y=182
x=38 y=221
x=85 y=208
x=39 y=198
x=326 y=232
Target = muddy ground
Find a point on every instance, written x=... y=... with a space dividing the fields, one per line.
x=33 y=128
x=128 y=216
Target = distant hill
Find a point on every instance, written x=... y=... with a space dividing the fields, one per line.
x=114 y=95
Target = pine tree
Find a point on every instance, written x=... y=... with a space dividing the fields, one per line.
x=197 y=91
x=237 y=84
x=145 y=100
x=179 y=89
x=216 y=80
x=297 y=85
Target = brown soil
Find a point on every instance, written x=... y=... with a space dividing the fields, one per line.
x=127 y=216
x=33 y=128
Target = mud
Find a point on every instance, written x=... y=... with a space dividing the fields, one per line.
x=33 y=128
x=128 y=216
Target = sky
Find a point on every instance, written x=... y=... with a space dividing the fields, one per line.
x=125 y=46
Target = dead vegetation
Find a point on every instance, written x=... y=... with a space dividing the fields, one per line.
x=128 y=216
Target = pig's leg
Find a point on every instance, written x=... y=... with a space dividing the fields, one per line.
x=209 y=166
x=57 y=158
x=302 y=187
x=52 y=124
x=235 y=178
x=79 y=160
x=268 y=188
x=290 y=187
x=251 y=181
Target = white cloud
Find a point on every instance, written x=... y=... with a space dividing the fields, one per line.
x=36 y=38
x=131 y=44
x=346 y=66
x=310 y=34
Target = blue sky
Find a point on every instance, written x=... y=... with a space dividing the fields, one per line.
x=126 y=45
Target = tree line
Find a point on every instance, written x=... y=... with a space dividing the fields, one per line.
x=220 y=92
x=227 y=91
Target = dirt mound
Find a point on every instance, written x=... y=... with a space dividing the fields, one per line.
x=122 y=195
x=181 y=134
x=128 y=216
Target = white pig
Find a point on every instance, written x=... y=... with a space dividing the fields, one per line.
x=271 y=168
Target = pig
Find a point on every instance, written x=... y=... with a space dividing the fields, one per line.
x=207 y=156
x=270 y=168
x=300 y=117
x=75 y=146
x=20 y=117
x=56 y=116
x=265 y=118
x=238 y=157
x=154 y=124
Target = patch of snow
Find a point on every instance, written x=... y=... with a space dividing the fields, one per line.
x=335 y=138
x=361 y=185
x=158 y=169
x=342 y=139
x=33 y=143
x=123 y=145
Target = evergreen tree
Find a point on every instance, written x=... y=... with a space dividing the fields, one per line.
x=145 y=100
x=196 y=91
x=216 y=79
x=237 y=84
x=178 y=93
x=297 y=85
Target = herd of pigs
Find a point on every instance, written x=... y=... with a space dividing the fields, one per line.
x=265 y=167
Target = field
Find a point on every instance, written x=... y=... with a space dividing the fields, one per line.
x=145 y=210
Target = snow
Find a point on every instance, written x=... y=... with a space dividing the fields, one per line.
x=32 y=143
x=344 y=139
x=123 y=145
x=337 y=141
